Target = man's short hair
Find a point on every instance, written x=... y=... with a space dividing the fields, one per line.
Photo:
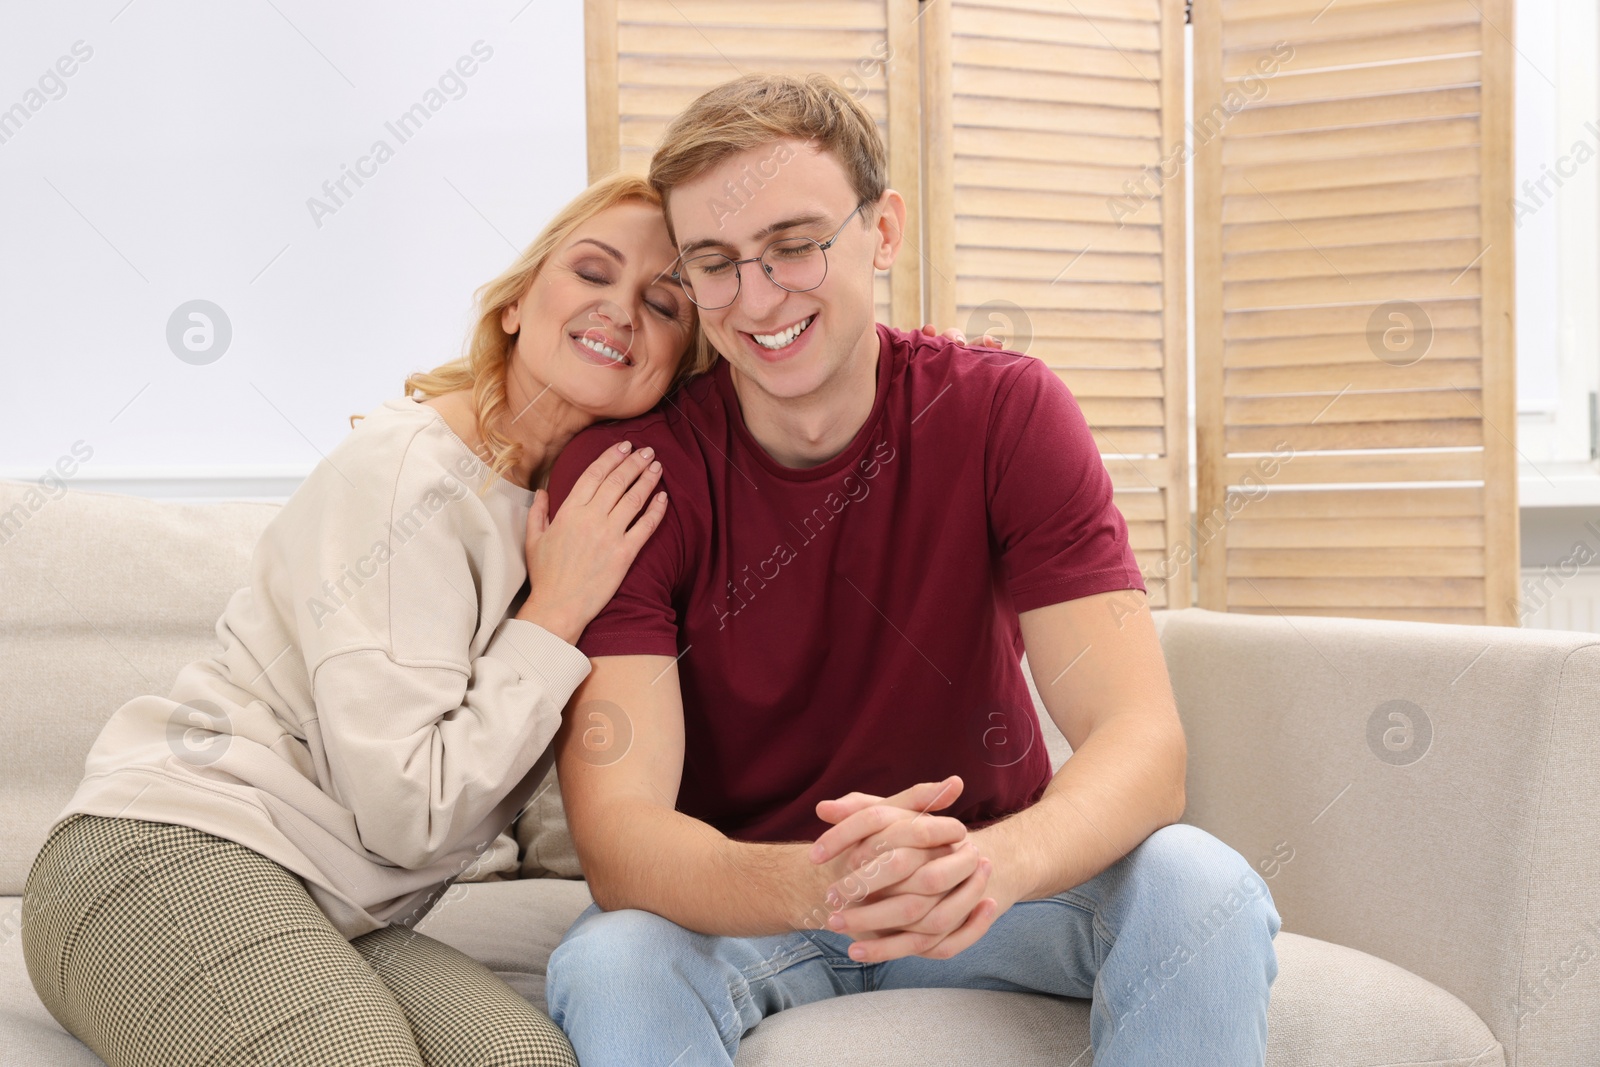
x=758 y=109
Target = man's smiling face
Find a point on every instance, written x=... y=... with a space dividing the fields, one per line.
x=788 y=344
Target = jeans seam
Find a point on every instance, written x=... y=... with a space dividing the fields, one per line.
x=1102 y=936
x=841 y=963
x=738 y=996
x=776 y=963
x=1101 y=941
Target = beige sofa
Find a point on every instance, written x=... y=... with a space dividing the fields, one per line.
x=1437 y=911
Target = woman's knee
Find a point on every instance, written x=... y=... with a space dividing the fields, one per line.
x=490 y=1033
x=534 y=1041
x=461 y=1013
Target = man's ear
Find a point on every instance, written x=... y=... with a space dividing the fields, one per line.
x=890 y=229
x=666 y=214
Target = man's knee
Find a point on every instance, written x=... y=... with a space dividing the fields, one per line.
x=611 y=951
x=1208 y=884
x=627 y=963
x=615 y=940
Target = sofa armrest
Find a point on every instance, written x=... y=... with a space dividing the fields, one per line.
x=1460 y=840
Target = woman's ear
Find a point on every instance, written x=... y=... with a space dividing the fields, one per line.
x=510 y=322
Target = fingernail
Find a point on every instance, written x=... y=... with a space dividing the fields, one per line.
x=857 y=952
x=836 y=921
x=625 y=446
x=661 y=495
x=655 y=467
x=833 y=899
x=647 y=452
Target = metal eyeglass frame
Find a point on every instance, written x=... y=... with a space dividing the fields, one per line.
x=738 y=275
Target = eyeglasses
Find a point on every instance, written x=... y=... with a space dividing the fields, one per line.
x=798 y=264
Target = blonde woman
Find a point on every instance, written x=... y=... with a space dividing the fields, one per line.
x=236 y=878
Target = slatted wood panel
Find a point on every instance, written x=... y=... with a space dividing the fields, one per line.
x=1045 y=124
x=1353 y=273
x=648 y=59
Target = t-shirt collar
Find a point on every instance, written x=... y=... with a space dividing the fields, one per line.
x=891 y=356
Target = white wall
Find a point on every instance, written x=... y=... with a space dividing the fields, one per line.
x=177 y=162
x=1557 y=209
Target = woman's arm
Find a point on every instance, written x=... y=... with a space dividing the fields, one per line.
x=421 y=741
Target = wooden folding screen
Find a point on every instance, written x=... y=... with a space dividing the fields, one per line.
x=1055 y=216
x=1353 y=288
x=1355 y=408
x=647 y=59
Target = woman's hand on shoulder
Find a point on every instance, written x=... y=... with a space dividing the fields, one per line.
x=577 y=559
x=955 y=334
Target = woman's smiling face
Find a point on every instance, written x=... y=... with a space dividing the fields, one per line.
x=604 y=326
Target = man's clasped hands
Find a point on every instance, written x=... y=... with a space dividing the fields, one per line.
x=904 y=882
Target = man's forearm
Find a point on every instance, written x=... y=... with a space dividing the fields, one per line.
x=1122 y=785
x=659 y=860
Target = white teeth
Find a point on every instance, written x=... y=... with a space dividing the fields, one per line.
x=778 y=340
x=605 y=350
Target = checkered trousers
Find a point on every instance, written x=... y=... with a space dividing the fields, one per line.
x=159 y=945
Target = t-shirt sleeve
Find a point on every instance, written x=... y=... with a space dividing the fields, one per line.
x=1050 y=508
x=641 y=619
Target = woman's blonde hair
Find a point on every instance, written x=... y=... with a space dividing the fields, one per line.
x=489 y=347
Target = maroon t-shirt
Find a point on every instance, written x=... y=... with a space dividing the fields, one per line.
x=853 y=626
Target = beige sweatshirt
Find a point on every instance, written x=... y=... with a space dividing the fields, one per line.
x=375 y=716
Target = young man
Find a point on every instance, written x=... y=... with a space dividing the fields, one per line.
x=819 y=650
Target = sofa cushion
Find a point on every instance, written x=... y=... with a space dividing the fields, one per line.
x=510 y=927
x=1424 y=791
x=1331 y=1006
x=542 y=834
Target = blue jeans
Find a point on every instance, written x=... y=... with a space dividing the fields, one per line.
x=1173 y=944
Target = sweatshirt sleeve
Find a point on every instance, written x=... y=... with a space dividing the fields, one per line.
x=421 y=752
x=431 y=701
